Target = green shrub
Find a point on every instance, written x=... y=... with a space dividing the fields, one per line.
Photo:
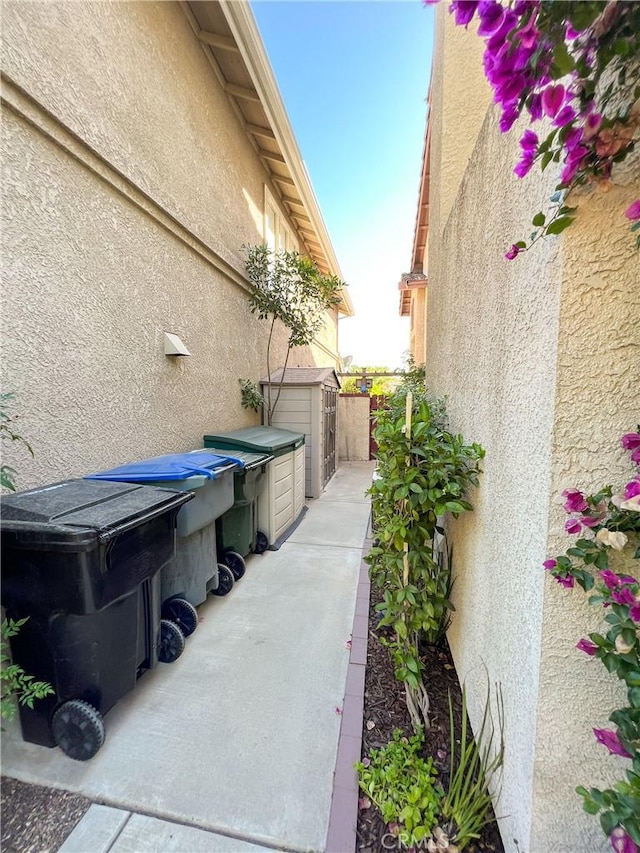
x=402 y=785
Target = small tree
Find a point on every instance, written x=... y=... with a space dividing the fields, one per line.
x=289 y=288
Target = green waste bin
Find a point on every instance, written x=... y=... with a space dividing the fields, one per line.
x=237 y=528
x=280 y=499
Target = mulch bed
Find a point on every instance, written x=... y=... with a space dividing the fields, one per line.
x=36 y=819
x=384 y=706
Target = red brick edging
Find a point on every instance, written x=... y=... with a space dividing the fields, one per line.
x=343 y=818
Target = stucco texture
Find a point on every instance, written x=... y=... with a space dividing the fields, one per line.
x=129 y=191
x=539 y=360
x=353 y=431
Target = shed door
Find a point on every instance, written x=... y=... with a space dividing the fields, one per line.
x=329 y=407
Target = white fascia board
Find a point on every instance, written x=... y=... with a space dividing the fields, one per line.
x=245 y=31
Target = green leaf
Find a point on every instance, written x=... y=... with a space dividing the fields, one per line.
x=539 y=219
x=562 y=59
x=557 y=226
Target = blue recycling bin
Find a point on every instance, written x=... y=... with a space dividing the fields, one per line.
x=194 y=572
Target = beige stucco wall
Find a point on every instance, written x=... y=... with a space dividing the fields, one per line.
x=539 y=359
x=129 y=190
x=353 y=428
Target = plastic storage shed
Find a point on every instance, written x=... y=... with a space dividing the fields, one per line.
x=282 y=499
x=194 y=572
x=309 y=403
x=81 y=561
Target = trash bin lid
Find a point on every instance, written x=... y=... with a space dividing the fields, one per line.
x=76 y=514
x=259 y=439
x=171 y=467
x=242 y=458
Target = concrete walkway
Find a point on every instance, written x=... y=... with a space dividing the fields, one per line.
x=233 y=747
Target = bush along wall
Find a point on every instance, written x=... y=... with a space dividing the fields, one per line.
x=423 y=475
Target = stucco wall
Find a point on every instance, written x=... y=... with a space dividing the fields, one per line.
x=353 y=427
x=539 y=359
x=129 y=189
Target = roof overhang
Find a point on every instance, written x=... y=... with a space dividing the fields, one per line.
x=230 y=38
x=409 y=283
x=417 y=279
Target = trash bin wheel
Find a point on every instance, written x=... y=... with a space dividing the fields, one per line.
x=78 y=729
x=182 y=613
x=236 y=563
x=225 y=580
x=171 y=641
x=262 y=543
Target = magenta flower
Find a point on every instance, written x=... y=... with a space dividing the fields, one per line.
x=631 y=440
x=567 y=583
x=513 y=252
x=535 y=107
x=491 y=17
x=610 y=739
x=572 y=526
x=575 y=501
x=590 y=520
x=550 y=564
x=523 y=166
x=611 y=579
x=529 y=141
x=623 y=596
x=508 y=118
x=464 y=9
x=621 y=842
x=635 y=456
x=552 y=100
x=634 y=612
x=592 y=125
x=566 y=115
x=633 y=211
x=632 y=489
x=587 y=647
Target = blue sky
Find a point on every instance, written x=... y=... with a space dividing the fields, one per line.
x=354 y=78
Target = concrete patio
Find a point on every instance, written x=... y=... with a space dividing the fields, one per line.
x=234 y=746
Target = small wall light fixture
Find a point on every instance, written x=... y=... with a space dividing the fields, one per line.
x=173 y=345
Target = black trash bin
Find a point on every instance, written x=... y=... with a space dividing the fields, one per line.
x=82 y=559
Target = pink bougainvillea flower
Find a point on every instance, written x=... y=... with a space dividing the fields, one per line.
x=633 y=212
x=565 y=116
x=550 y=564
x=529 y=141
x=587 y=647
x=623 y=596
x=634 y=612
x=575 y=501
x=535 y=107
x=610 y=739
x=590 y=520
x=621 y=842
x=635 y=456
x=592 y=125
x=633 y=504
x=631 y=440
x=611 y=579
x=632 y=489
x=513 y=252
x=464 y=10
x=572 y=526
x=552 y=100
x=529 y=35
x=523 y=166
x=507 y=119
x=491 y=17
x=567 y=583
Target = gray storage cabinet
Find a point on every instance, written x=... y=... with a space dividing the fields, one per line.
x=309 y=404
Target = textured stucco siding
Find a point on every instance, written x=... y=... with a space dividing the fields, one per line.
x=353 y=432
x=597 y=400
x=129 y=189
x=539 y=359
